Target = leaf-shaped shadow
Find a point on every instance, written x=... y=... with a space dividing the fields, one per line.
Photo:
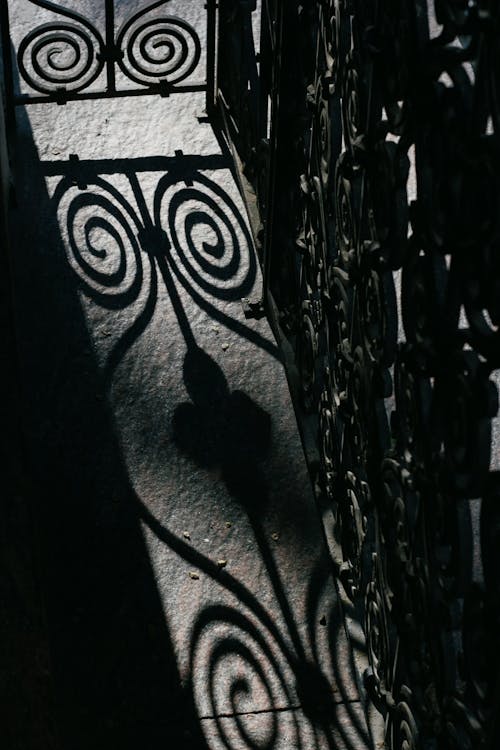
x=221 y=430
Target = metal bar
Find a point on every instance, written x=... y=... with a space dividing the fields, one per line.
x=275 y=102
x=110 y=46
x=89 y=95
x=8 y=69
x=211 y=95
x=98 y=167
x=251 y=74
x=252 y=212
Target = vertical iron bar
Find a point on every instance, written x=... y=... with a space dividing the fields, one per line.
x=8 y=68
x=251 y=77
x=211 y=95
x=110 y=46
x=273 y=145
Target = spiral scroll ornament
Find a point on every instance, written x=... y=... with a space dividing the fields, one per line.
x=158 y=50
x=237 y=666
x=102 y=246
x=68 y=56
x=61 y=56
x=211 y=244
x=384 y=218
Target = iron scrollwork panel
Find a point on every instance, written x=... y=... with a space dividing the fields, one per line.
x=67 y=56
x=382 y=240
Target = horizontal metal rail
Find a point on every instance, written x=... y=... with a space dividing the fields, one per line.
x=22 y=99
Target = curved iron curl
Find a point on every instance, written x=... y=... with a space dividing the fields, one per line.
x=167 y=33
x=71 y=14
x=119 y=222
x=217 y=210
x=55 y=75
x=265 y=657
x=415 y=193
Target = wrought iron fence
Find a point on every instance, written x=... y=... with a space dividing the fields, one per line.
x=370 y=133
x=68 y=56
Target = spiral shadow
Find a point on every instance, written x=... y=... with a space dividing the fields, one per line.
x=211 y=245
x=159 y=49
x=232 y=660
x=63 y=57
x=59 y=55
x=102 y=246
x=116 y=249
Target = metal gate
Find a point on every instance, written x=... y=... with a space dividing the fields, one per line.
x=369 y=133
x=69 y=56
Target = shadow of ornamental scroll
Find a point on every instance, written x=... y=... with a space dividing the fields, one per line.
x=65 y=53
x=195 y=239
x=188 y=234
x=244 y=655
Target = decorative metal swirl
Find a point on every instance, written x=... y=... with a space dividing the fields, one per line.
x=121 y=254
x=61 y=55
x=233 y=664
x=382 y=248
x=67 y=55
x=165 y=49
x=241 y=663
x=211 y=244
x=102 y=244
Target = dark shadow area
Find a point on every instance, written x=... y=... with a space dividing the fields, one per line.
x=113 y=666
x=222 y=430
x=25 y=681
